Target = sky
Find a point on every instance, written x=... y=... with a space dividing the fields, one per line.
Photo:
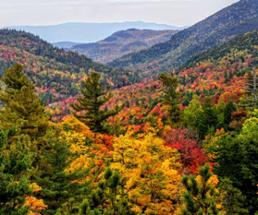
x=48 y=12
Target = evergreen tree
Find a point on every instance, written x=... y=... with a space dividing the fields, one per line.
x=236 y=159
x=210 y=118
x=233 y=199
x=15 y=163
x=170 y=96
x=201 y=196
x=88 y=107
x=21 y=109
x=108 y=198
x=227 y=115
x=59 y=189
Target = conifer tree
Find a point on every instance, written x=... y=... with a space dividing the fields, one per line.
x=21 y=108
x=170 y=96
x=201 y=196
x=108 y=198
x=15 y=163
x=227 y=115
x=88 y=107
x=60 y=190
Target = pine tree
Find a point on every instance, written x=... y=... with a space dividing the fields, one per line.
x=21 y=108
x=170 y=96
x=108 y=198
x=88 y=107
x=60 y=190
x=15 y=163
x=201 y=196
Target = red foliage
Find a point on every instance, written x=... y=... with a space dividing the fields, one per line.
x=192 y=156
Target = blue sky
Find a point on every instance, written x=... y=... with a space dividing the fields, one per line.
x=46 y=12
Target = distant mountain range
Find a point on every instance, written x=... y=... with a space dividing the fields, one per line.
x=87 y=32
x=121 y=43
x=65 y=44
x=234 y=20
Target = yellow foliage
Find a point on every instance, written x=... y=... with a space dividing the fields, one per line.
x=35 y=205
x=35 y=187
x=151 y=172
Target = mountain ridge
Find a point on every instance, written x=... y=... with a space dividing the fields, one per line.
x=231 y=21
x=122 y=42
x=80 y=32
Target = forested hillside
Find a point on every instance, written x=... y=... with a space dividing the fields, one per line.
x=239 y=18
x=79 y=138
x=122 y=43
x=55 y=72
x=166 y=146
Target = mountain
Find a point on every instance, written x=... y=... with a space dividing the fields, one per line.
x=65 y=44
x=234 y=20
x=122 y=43
x=56 y=73
x=86 y=32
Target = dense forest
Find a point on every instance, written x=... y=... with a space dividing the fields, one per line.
x=55 y=72
x=184 y=143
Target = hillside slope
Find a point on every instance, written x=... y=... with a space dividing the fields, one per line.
x=56 y=73
x=236 y=19
x=247 y=43
x=220 y=73
x=122 y=43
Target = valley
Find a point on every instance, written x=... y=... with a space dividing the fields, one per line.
x=149 y=120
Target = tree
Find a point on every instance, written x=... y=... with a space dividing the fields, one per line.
x=192 y=155
x=235 y=156
x=170 y=96
x=61 y=189
x=252 y=89
x=201 y=196
x=109 y=197
x=201 y=118
x=233 y=199
x=194 y=117
x=227 y=114
x=151 y=172
x=88 y=107
x=21 y=109
x=15 y=163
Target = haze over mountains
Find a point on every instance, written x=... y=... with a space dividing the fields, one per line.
x=121 y=43
x=236 y=19
x=87 y=32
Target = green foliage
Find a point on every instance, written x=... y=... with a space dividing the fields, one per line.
x=201 y=118
x=227 y=114
x=108 y=198
x=15 y=165
x=233 y=201
x=21 y=109
x=236 y=158
x=201 y=196
x=170 y=96
x=60 y=190
x=88 y=108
